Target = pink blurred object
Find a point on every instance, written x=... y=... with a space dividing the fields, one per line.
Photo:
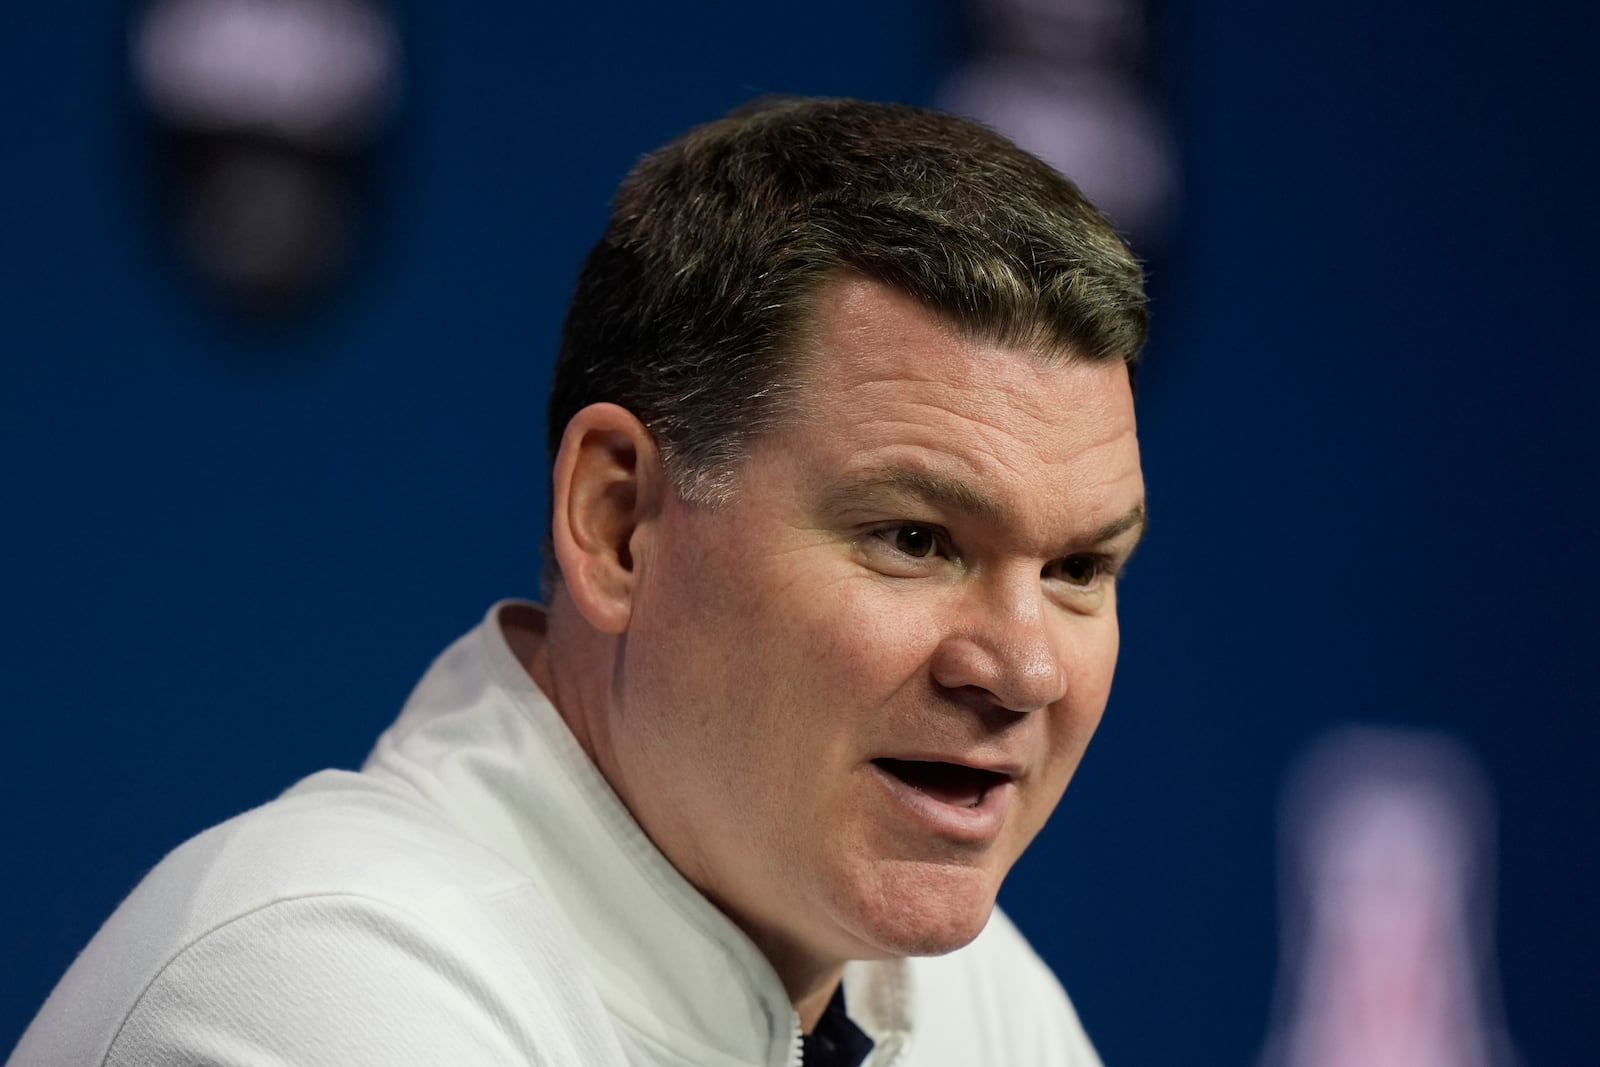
x=323 y=71
x=1388 y=947
x=265 y=114
x=1064 y=79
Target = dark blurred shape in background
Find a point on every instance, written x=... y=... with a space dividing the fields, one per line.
x=1067 y=80
x=266 y=110
x=1387 y=944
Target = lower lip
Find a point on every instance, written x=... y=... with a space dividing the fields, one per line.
x=971 y=826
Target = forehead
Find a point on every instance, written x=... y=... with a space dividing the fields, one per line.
x=857 y=324
x=887 y=385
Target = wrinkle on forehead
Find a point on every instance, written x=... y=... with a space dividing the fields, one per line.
x=1050 y=414
x=887 y=384
x=1021 y=413
x=855 y=313
x=897 y=350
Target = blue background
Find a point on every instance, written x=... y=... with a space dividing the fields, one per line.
x=1367 y=417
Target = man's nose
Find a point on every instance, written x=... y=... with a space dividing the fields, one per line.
x=1005 y=648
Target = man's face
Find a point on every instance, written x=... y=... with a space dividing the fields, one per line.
x=850 y=697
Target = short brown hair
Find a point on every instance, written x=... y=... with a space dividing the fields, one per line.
x=688 y=309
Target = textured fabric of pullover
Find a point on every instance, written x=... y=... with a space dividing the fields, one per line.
x=477 y=895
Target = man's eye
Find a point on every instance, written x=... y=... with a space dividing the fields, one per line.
x=918 y=542
x=1081 y=571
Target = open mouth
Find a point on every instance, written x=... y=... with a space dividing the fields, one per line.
x=948 y=783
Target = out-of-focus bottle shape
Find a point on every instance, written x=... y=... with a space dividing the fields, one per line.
x=1387 y=871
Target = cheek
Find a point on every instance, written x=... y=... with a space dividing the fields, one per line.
x=823 y=680
x=869 y=635
x=1091 y=663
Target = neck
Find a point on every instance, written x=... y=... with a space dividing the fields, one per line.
x=562 y=664
x=808 y=978
x=561 y=658
x=809 y=997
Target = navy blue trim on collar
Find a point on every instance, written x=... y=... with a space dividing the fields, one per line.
x=836 y=1041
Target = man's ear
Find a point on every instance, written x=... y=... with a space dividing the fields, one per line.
x=607 y=486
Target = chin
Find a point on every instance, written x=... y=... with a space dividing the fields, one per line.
x=922 y=909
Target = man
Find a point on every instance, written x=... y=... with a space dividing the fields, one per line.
x=844 y=474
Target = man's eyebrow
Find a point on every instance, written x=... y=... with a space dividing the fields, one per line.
x=1135 y=519
x=958 y=495
x=933 y=488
